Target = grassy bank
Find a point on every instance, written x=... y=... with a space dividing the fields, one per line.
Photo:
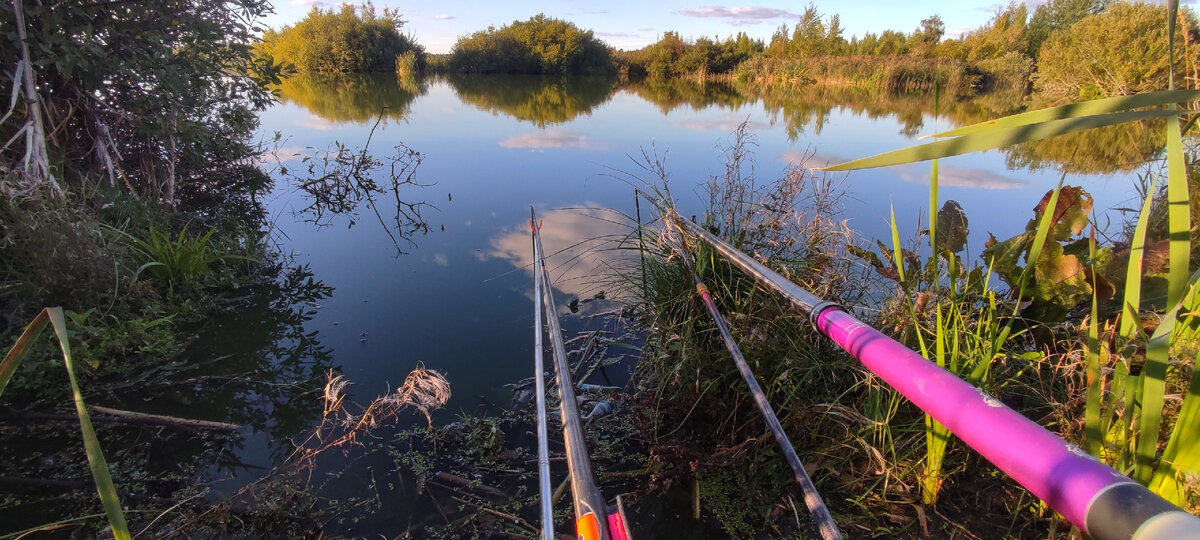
x=1094 y=340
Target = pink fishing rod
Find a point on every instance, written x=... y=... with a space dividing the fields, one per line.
x=1099 y=500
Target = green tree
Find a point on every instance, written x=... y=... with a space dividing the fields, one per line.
x=541 y=45
x=808 y=38
x=1056 y=15
x=778 y=46
x=151 y=96
x=1004 y=33
x=835 y=43
x=350 y=39
x=891 y=42
x=924 y=40
x=1120 y=51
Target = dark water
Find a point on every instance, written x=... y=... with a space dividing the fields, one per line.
x=458 y=298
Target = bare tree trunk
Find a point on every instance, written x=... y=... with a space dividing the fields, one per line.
x=37 y=161
x=172 y=159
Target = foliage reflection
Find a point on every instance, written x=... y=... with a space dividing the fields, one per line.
x=539 y=100
x=353 y=97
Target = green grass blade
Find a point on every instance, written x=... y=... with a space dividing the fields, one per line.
x=897 y=253
x=20 y=349
x=1155 y=370
x=995 y=138
x=95 y=456
x=1131 y=323
x=1182 y=453
x=1076 y=110
x=1178 y=214
x=1092 y=435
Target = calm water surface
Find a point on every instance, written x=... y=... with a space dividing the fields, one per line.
x=459 y=299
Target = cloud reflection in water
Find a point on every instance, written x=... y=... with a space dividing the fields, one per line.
x=585 y=247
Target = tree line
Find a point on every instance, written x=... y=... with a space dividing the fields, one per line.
x=1065 y=49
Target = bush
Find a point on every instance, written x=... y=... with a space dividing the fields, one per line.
x=1120 y=51
x=539 y=46
x=347 y=40
x=1012 y=71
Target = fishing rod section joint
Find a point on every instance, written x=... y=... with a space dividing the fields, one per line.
x=815 y=311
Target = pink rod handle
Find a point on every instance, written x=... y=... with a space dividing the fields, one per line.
x=1057 y=472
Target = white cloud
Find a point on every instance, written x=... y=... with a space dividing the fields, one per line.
x=739 y=15
x=444 y=17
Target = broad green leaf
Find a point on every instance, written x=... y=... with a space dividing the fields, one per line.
x=1182 y=453
x=996 y=138
x=1178 y=214
x=1130 y=321
x=1077 y=110
x=952 y=227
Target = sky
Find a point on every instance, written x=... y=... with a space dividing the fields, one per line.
x=629 y=24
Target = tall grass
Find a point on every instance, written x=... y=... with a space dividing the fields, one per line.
x=95 y=455
x=894 y=74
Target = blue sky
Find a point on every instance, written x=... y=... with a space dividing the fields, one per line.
x=628 y=24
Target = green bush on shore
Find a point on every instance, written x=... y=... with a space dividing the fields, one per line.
x=540 y=46
x=350 y=39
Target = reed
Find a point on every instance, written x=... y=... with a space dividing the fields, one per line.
x=95 y=455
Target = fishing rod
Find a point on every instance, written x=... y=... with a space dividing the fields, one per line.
x=812 y=498
x=591 y=512
x=539 y=370
x=1102 y=502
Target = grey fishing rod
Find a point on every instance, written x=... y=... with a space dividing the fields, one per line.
x=812 y=498
x=591 y=511
x=539 y=370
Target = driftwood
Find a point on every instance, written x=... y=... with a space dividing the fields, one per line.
x=118 y=416
x=507 y=517
x=464 y=483
x=156 y=419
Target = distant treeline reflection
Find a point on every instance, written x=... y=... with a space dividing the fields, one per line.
x=353 y=97
x=802 y=109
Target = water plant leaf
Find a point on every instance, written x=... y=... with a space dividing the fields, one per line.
x=1077 y=110
x=952 y=227
x=1070 y=214
x=995 y=138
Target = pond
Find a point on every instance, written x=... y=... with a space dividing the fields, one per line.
x=453 y=289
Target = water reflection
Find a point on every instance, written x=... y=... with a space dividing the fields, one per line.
x=808 y=108
x=959 y=177
x=541 y=101
x=351 y=97
x=589 y=250
x=671 y=94
x=1122 y=147
x=542 y=140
